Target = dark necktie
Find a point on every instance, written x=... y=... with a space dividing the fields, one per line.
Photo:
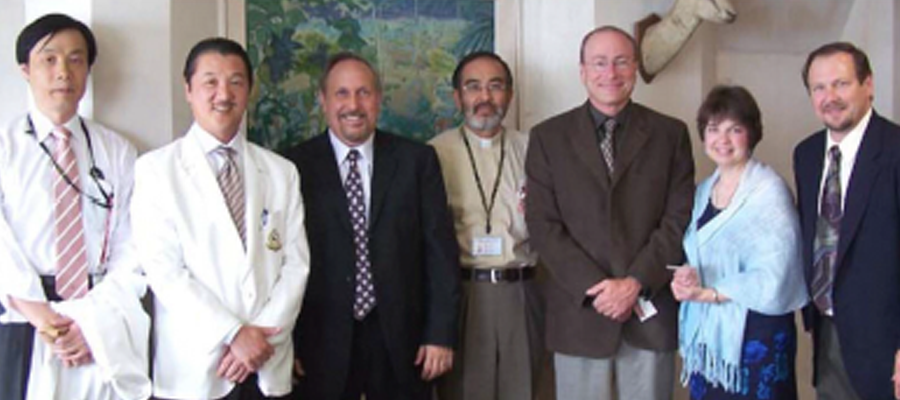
x=232 y=185
x=364 y=300
x=827 y=229
x=607 y=146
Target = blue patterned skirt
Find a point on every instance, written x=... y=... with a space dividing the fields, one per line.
x=767 y=362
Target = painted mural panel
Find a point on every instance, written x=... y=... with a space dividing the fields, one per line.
x=414 y=44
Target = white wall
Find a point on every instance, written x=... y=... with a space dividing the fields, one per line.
x=136 y=82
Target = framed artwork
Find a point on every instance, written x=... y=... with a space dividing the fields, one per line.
x=414 y=45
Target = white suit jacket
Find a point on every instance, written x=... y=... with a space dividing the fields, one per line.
x=204 y=281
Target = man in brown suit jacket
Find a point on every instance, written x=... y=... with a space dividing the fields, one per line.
x=610 y=188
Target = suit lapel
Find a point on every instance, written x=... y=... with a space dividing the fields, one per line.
x=256 y=180
x=865 y=172
x=631 y=142
x=809 y=171
x=385 y=165
x=326 y=171
x=196 y=166
x=584 y=143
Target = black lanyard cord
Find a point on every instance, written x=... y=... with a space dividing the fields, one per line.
x=488 y=206
x=95 y=173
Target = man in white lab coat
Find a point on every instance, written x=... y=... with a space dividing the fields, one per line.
x=219 y=223
x=65 y=188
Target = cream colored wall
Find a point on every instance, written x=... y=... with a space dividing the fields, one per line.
x=138 y=87
x=136 y=82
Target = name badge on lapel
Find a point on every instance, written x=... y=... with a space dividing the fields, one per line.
x=487 y=246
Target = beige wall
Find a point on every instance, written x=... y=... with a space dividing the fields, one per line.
x=137 y=85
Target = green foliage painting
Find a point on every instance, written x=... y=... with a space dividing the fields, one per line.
x=414 y=45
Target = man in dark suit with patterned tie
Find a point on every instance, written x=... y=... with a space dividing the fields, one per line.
x=380 y=313
x=848 y=190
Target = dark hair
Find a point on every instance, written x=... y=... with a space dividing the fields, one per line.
x=223 y=46
x=609 y=28
x=457 y=73
x=735 y=103
x=860 y=60
x=338 y=58
x=51 y=24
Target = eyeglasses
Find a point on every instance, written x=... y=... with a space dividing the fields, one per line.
x=492 y=87
x=619 y=64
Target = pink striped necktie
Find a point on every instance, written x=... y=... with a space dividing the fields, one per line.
x=71 y=259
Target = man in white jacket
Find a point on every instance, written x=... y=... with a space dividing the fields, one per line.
x=65 y=187
x=219 y=222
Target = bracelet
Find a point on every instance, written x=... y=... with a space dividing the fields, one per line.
x=715 y=295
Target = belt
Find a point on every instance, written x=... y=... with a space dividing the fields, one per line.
x=497 y=275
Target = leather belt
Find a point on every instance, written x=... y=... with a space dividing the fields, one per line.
x=497 y=275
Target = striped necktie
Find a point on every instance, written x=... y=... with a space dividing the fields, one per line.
x=232 y=185
x=71 y=259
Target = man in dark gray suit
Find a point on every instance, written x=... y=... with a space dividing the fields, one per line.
x=610 y=188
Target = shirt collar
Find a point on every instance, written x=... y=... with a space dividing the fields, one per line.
x=481 y=142
x=367 y=149
x=599 y=117
x=209 y=143
x=43 y=126
x=849 y=145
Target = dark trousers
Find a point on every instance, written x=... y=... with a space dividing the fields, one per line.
x=249 y=390
x=371 y=372
x=832 y=382
x=16 y=341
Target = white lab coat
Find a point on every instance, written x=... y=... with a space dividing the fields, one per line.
x=205 y=283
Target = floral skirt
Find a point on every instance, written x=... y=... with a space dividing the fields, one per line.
x=767 y=362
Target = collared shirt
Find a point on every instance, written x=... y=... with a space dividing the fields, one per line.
x=365 y=163
x=469 y=215
x=600 y=118
x=849 y=147
x=27 y=201
x=210 y=144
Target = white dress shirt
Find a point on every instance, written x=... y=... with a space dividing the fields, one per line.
x=849 y=147
x=365 y=164
x=27 y=197
x=110 y=316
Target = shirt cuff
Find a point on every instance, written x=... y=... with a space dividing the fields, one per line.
x=231 y=334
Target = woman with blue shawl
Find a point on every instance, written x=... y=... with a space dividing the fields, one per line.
x=743 y=280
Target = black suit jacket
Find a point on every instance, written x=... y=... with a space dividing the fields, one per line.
x=867 y=283
x=414 y=259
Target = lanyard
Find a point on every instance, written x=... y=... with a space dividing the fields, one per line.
x=488 y=206
x=96 y=175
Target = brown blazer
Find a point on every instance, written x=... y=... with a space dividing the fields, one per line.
x=587 y=227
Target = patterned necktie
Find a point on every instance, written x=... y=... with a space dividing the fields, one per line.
x=71 y=259
x=827 y=228
x=232 y=186
x=607 y=146
x=364 y=300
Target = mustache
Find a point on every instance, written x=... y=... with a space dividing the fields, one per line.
x=489 y=105
x=835 y=105
x=356 y=114
x=225 y=104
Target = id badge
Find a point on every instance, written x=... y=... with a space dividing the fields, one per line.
x=644 y=309
x=487 y=246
